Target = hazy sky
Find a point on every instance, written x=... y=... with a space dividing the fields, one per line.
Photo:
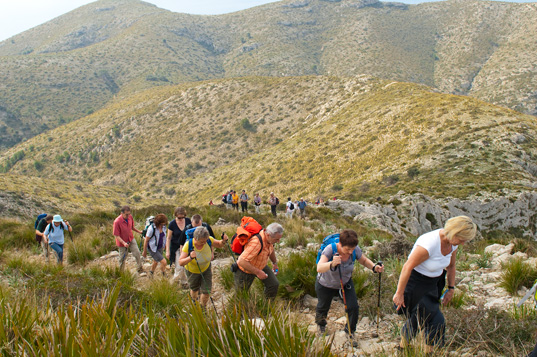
x=19 y=15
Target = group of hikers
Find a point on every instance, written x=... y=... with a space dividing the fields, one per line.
x=231 y=199
x=189 y=244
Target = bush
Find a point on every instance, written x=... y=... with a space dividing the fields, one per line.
x=516 y=274
x=297 y=274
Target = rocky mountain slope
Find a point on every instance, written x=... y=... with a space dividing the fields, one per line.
x=75 y=64
x=354 y=138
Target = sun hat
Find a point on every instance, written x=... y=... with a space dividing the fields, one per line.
x=57 y=218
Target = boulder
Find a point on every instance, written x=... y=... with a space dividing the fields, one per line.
x=309 y=301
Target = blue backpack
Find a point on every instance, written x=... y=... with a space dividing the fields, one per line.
x=332 y=239
x=39 y=218
x=190 y=237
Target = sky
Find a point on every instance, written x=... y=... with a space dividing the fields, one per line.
x=20 y=15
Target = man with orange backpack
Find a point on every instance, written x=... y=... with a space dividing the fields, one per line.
x=253 y=260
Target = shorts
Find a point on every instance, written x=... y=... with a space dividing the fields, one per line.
x=203 y=281
x=157 y=256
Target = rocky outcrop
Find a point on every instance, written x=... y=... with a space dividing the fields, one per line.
x=417 y=214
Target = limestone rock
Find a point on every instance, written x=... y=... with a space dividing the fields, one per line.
x=309 y=301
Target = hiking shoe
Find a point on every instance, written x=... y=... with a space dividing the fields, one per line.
x=151 y=273
x=140 y=270
x=321 y=329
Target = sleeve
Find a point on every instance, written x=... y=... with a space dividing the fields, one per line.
x=212 y=240
x=149 y=231
x=327 y=252
x=185 y=247
x=358 y=252
x=182 y=238
x=425 y=242
x=65 y=226
x=116 y=228
x=251 y=249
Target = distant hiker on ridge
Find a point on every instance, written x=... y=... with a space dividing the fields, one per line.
x=257 y=202
x=244 y=201
x=55 y=237
x=302 y=206
x=273 y=202
x=423 y=278
x=125 y=241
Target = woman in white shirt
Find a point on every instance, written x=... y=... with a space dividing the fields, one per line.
x=156 y=240
x=423 y=278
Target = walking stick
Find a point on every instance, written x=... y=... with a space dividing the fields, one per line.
x=210 y=297
x=344 y=301
x=378 y=303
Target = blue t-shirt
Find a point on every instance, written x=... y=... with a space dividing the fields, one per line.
x=55 y=235
x=330 y=279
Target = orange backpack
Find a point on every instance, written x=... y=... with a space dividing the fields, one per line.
x=248 y=228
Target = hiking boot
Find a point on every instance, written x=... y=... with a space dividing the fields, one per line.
x=151 y=273
x=321 y=329
x=140 y=270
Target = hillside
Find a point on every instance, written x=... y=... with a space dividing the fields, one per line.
x=77 y=63
x=356 y=137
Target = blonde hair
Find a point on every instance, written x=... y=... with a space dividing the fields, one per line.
x=461 y=227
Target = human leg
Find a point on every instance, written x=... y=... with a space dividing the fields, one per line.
x=180 y=270
x=133 y=247
x=273 y=210
x=58 y=249
x=123 y=251
x=271 y=283
x=242 y=280
x=324 y=300
x=352 y=305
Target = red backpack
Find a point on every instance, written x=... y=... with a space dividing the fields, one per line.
x=248 y=228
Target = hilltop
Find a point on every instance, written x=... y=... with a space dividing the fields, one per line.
x=77 y=63
x=355 y=138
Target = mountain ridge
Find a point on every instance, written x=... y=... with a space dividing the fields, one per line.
x=122 y=47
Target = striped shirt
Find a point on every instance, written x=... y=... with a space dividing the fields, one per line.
x=252 y=248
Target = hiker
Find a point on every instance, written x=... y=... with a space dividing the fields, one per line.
x=155 y=238
x=253 y=261
x=244 y=201
x=196 y=221
x=196 y=256
x=290 y=208
x=334 y=270
x=257 y=202
x=125 y=241
x=173 y=242
x=302 y=207
x=235 y=201
x=40 y=237
x=273 y=202
x=229 y=199
x=423 y=278
x=53 y=235
x=534 y=352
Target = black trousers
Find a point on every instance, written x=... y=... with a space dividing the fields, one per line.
x=273 y=210
x=244 y=206
x=324 y=300
x=422 y=300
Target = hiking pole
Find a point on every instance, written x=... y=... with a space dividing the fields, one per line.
x=344 y=301
x=210 y=297
x=378 y=302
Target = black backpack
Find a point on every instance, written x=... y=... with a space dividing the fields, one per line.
x=52 y=227
x=291 y=206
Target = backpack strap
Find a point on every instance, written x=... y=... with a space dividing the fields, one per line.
x=190 y=242
x=260 y=241
x=334 y=248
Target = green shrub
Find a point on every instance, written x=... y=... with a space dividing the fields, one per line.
x=516 y=274
x=80 y=252
x=297 y=274
x=226 y=278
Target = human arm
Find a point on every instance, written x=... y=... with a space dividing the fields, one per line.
x=68 y=226
x=418 y=256
x=221 y=243
x=186 y=257
x=324 y=265
x=366 y=262
x=168 y=242
x=246 y=265
x=450 y=278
